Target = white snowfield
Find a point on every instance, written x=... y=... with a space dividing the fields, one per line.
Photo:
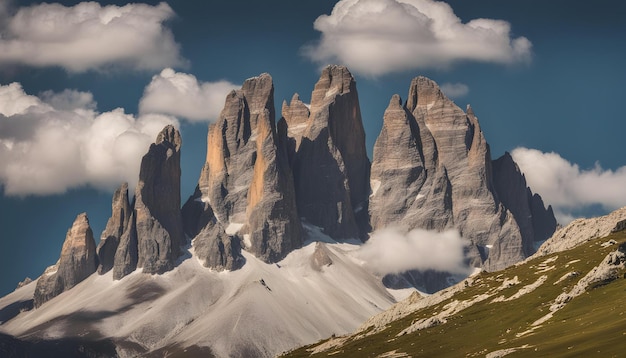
x=261 y=309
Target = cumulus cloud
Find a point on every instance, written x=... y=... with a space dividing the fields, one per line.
x=375 y=37
x=182 y=95
x=567 y=187
x=393 y=250
x=90 y=36
x=58 y=141
x=454 y=90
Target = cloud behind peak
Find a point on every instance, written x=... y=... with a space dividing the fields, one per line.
x=383 y=36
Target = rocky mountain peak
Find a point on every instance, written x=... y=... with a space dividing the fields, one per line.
x=157 y=204
x=78 y=261
x=169 y=137
x=334 y=80
x=423 y=92
x=432 y=169
x=246 y=185
x=331 y=167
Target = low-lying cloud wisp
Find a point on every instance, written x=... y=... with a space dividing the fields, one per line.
x=394 y=250
x=567 y=187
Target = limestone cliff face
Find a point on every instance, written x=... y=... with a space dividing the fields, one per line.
x=218 y=250
x=127 y=253
x=77 y=262
x=117 y=224
x=150 y=235
x=534 y=220
x=331 y=168
x=432 y=169
x=408 y=185
x=157 y=204
x=246 y=184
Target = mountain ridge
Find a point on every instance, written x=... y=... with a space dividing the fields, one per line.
x=291 y=199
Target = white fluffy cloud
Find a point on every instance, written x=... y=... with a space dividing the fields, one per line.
x=393 y=250
x=182 y=95
x=90 y=36
x=454 y=90
x=567 y=187
x=57 y=142
x=375 y=37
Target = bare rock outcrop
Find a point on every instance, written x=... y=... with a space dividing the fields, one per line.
x=321 y=257
x=116 y=225
x=77 y=262
x=246 y=185
x=218 y=250
x=331 y=168
x=580 y=231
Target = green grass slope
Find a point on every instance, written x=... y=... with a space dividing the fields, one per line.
x=508 y=314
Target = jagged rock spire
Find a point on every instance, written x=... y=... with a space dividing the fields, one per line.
x=246 y=186
x=157 y=204
x=118 y=222
x=331 y=168
x=77 y=262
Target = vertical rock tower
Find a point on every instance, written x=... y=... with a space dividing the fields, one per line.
x=77 y=262
x=157 y=204
x=149 y=235
x=245 y=192
x=330 y=166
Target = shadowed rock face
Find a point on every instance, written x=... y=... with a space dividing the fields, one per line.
x=78 y=261
x=408 y=187
x=157 y=204
x=218 y=250
x=127 y=253
x=534 y=220
x=331 y=168
x=246 y=185
x=117 y=224
x=432 y=169
x=150 y=235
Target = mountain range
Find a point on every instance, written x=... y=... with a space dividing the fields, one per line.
x=265 y=255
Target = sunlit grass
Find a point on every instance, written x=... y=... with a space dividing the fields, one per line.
x=593 y=324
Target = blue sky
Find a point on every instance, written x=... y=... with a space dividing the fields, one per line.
x=550 y=89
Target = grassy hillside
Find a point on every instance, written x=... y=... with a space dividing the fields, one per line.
x=504 y=313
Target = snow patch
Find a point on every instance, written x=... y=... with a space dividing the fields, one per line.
x=331 y=92
x=192 y=305
x=233 y=228
x=246 y=241
x=374 y=186
x=505 y=352
x=524 y=290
